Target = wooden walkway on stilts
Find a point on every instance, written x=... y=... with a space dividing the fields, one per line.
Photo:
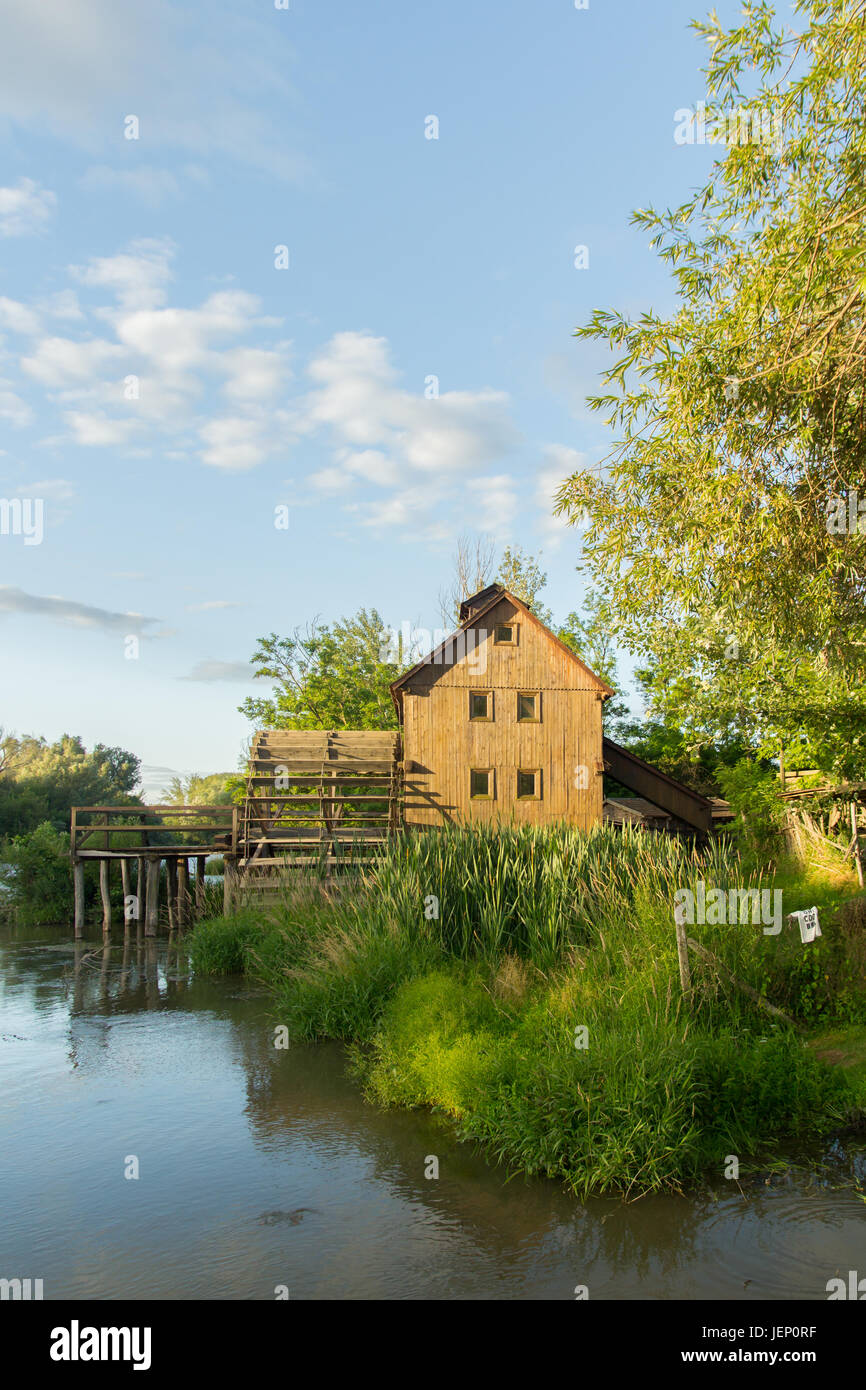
x=141 y=839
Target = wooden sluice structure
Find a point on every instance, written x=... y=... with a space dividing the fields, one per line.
x=141 y=839
x=316 y=799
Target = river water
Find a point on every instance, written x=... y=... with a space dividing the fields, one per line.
x=261 y=1169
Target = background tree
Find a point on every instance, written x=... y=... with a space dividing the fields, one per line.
x=522 y=576
x=194 y=790
x=720 y=523
x=589 y=635
x=472 y=571
x=335 y=677
x=41 y=781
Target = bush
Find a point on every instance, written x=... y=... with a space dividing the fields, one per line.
x=759 y=813
x=37 y=877
x=221 y=946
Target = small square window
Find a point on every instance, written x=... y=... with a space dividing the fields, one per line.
x=480 y=704
x=505 y=635
x=481 y=783
x=528 y=707
x=528 y=785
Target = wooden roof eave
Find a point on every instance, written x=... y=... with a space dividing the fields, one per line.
x=396 y=686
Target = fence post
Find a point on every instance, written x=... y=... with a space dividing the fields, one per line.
x=683 y=950
x=856 y=843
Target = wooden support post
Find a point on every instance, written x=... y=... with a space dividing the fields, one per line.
x=855 y=842
x=199 y=884
x=182 y=893
x=105 y=893
x=139 y=891
x=126 y=883
x=171 y=891
x=151 y=911
x=78 y=882
x=230 y=874
x=683 y=952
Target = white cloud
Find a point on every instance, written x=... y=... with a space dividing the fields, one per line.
x=98 y=429
x=71 y=613
x=62 y=305
x=18 y=318
x=151 y=185
x=561 y=462
x=331 y=480
x=58 y=362
x=234 y=443
x=137 y=277
x=401 y=440
x=75 y=70
x=358 y=397
x=157 y=374
x=255 y=374
x=12 y=407
x=26 y=208
x=496 y=504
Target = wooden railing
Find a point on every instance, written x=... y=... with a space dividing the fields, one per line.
x=141 y=838
x=191 y=830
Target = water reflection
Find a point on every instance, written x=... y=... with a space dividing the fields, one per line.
x=260 y=1167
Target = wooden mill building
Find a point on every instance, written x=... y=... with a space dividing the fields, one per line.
x=501 y=722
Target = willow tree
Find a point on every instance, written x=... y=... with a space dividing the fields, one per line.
x=724 y=525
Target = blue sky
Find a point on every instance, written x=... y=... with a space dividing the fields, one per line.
x=164 y=385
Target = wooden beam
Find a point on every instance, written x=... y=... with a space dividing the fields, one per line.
x=78 y=885
x=683 y=953
x=126 y=887
x=182 y=893
x=655 y=786
x=230 y=874
x=171 y=892
x=200 y=863
x=855 y=843
x=151 y=911
x=105 y=894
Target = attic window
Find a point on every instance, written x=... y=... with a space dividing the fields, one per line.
x=528 y=707
x=529 y=784
x=505 y=635
x=481 y=783
x=480 y=704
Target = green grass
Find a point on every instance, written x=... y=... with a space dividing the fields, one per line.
x=463 y=963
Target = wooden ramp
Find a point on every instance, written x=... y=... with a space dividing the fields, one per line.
x=316 y=799
x=665 y=792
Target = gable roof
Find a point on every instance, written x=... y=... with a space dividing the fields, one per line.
x=498 y=595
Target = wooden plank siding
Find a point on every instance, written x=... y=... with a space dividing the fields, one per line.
x=442 y=744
